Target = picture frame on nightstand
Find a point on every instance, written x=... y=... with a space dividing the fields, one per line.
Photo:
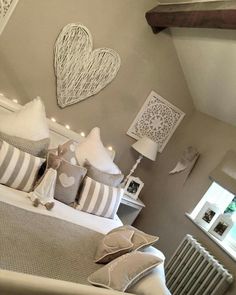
x=133 y=187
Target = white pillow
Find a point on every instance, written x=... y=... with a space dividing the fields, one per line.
x=93 y=150
x=30 y=122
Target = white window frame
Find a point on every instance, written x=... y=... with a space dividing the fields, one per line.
x=222 y=198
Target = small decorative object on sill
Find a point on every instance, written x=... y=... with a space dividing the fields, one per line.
x=133 y=187
x=146 y=148
x=232 y=207
x=157 y=119
x=207 y=215
x=222 y=226
x=81 y=71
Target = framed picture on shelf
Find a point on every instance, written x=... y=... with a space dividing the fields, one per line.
x=207 y=215
x=221 y=226
x=133 y=187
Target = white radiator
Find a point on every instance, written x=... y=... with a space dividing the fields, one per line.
x=193 y=271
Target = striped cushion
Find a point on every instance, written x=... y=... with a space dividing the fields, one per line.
x=17 y=168
x=36 y=148
x=99 y=199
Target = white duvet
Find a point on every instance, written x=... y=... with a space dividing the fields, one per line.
x=60 y=210
x=153 y=284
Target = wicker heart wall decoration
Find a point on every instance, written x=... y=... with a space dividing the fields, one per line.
x=81 y=71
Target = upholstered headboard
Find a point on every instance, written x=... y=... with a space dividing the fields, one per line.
x=58 y=133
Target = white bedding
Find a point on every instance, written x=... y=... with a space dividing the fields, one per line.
x=60 y=210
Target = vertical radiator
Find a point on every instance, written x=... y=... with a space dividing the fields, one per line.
x=193 y=271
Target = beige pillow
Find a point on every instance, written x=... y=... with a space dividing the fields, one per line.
x=124 y=271
x=103 y=177
x=69 y=178
x=67 y=152
x=37 y=148
x=114 y=245
x=152 y=284
x=139 y=239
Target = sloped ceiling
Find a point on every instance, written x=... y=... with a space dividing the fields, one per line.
x=208 y=60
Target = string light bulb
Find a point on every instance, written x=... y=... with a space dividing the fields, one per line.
x=82 y=134
x=110 y=148
x=15 y=100
x=67 y=126
x=53 y=119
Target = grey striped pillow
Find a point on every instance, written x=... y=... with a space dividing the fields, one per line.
x=36 y=148
x=17 y=168
x=99 y=199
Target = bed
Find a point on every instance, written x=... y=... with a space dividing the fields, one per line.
x=26 y=269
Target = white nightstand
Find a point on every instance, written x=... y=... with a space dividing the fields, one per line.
x=129 y=209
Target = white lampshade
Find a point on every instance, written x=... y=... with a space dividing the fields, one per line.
x=146 y=147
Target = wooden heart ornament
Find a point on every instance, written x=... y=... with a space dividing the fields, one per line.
x=81 y=71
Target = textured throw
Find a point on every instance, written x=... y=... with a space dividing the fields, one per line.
x=18 y=169
x=46 y=246
x=99 y=199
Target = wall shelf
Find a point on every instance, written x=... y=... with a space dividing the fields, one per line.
x=206 y=14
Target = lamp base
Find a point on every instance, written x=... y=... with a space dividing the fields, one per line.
x=132 y=170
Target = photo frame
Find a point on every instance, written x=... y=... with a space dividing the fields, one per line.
x=133 y=187
x=207 y=215
x=221 y=227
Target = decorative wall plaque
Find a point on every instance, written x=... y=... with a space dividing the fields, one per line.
x=6 y=9
x=157 y=119
x=81 y=71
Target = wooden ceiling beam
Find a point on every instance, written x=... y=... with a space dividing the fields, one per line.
x=210 y=14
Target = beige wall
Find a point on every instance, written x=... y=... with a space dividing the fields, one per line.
x=148 y=62
x=208 y=59
x=167 y=197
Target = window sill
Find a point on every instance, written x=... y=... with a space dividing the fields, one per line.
x=226 y=245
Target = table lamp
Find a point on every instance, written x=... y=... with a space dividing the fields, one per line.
x=146 y=148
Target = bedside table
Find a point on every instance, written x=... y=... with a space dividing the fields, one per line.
x=129 y=209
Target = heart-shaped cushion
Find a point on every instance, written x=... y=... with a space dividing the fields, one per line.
x=66 y=180
x=81 y=71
